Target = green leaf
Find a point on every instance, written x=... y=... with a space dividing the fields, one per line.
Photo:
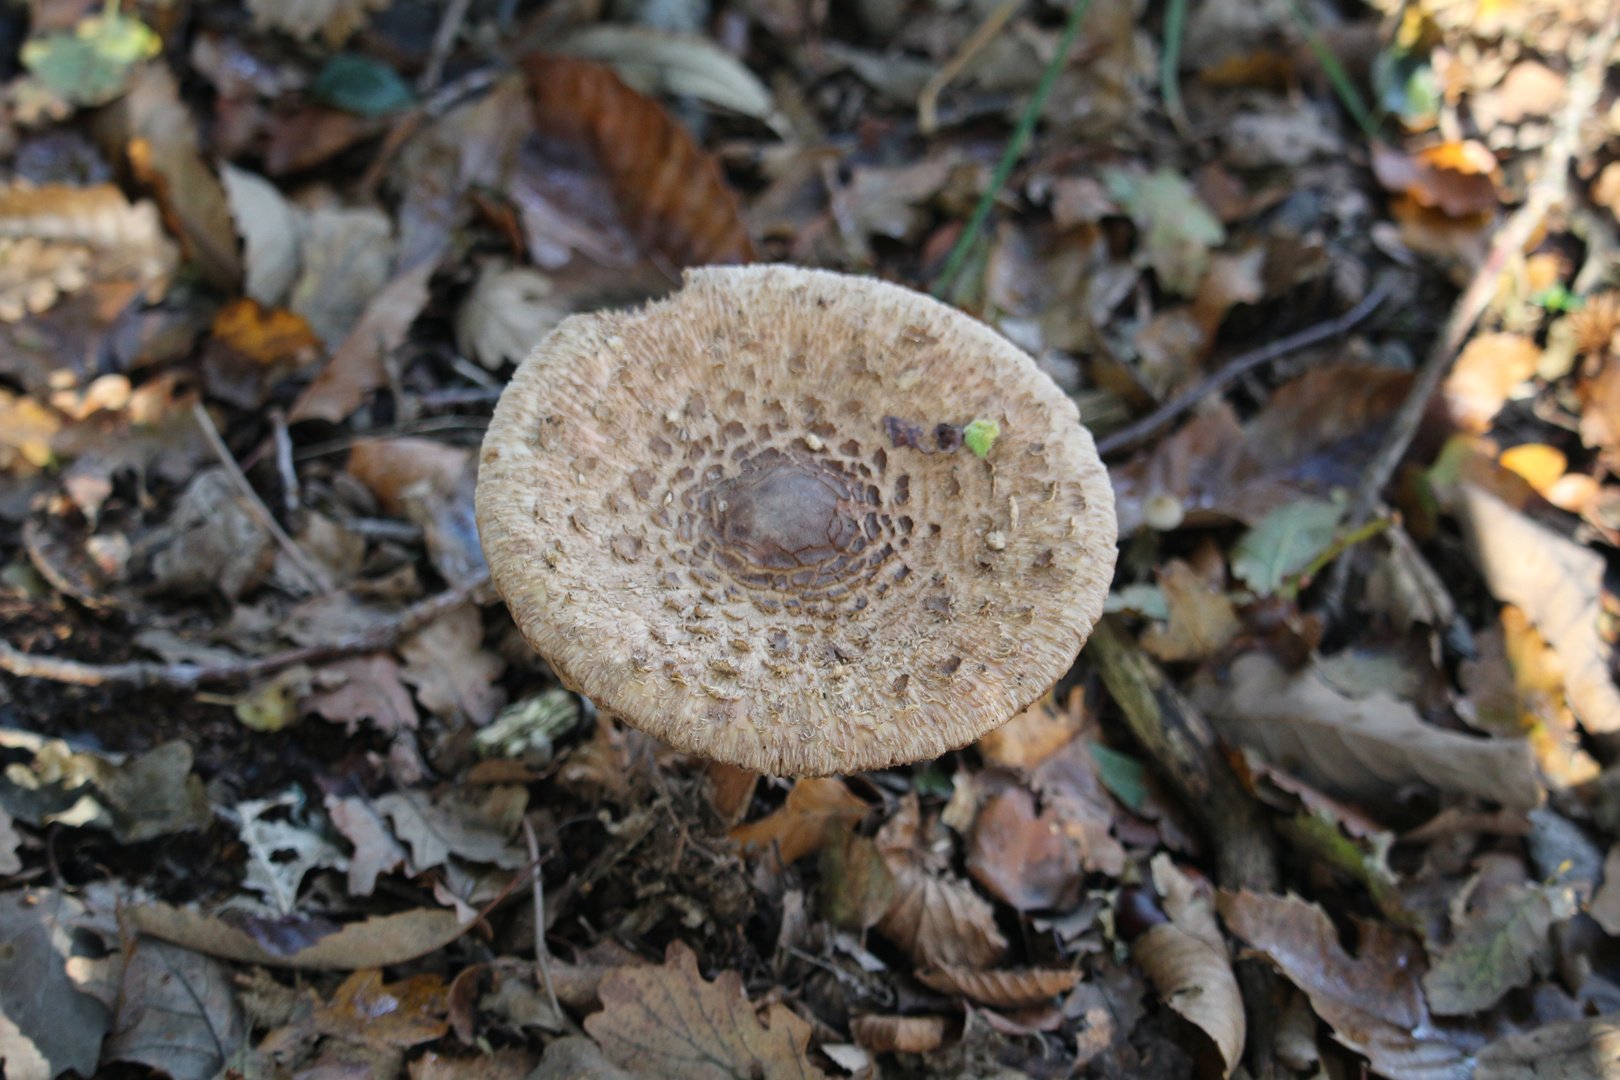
x=981 y=435
x=1121 y=774
x=1145 y=600
x=1177 y=228
x=362 y=86
x=1285 y=542
x=90 y=65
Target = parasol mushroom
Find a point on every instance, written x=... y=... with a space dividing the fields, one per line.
x=796 y=521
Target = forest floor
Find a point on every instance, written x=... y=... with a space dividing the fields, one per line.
x=1334 y=789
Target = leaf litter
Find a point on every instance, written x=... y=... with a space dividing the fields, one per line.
x=364 y=830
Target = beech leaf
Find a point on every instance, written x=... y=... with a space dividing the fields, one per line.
x=177 y=1012
x=1496 y=949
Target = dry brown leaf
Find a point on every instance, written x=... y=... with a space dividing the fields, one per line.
x=1025 y=859
x=347 y=255
x=857 y=888
x=507 y=1063
x=177 y=1012
x=1070 y=788
x=161 y=138
x=1559 y=585
x=1541 y=709
x=473 y=823
x=363 y=688
x=1187 y=961
x=1496 y=949
x=1570 y=1050
x=669 y=1022
x=1000 y=989
x=672 y=196
x=379 y=941
x=907 y=1034
x=375 y=849
x=454 y=675
x=368 y=1012
x=1030 y=737
x=356 y=368
x=801 y=825
x=1363 y=748
x=390 y=467
x=1372 y=1000
x=1202 y=620
x=731 y=790
x=1455 y=178
x=934 y=919
x=1485 y=373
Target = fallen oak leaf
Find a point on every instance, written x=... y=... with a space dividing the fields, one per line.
x=368 y=1012
x=1496 y=949
x=670 y=1022
x=802 y=824
x=1000 y=989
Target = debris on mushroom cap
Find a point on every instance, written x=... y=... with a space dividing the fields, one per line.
x=743 y=520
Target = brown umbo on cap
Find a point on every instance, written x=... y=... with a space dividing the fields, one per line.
x=745 y=519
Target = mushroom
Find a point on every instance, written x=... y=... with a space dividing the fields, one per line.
x=796 y=521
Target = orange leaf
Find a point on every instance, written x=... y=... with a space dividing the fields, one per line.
x=365 y=1011
x=672 y=196
x=909 y=1034
x=1000 y=989
x=264 y=334
x=802 y=824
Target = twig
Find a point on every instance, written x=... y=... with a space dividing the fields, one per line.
x=188 y=677
x=1175 y=29
x=1015 y=150
x=1127 y=437
x=1548 y=189
x=444 y=40
x=1187 y=752
x=284 y=460
x=928 y=100
x=542 y=955
x=261 y=513
x=1343 y=85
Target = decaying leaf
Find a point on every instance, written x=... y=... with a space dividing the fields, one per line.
x=269 y=230
x=802 y=824
x=1178 y=229
x=281 y=851
x=1569 y=1050
x=938 y=921
x=1024 y=858
x=362 y=688
x=310 y=944
x=1285 y=542
x=999 y=989
x=857 y=887
x=671 y=195
x=1605 y=906
x=48 y=1025
x=367 y=1011
x=655 y=62
x=1201 y=622
x=1030 y=737
x=907 y=1034
x=1485 y=373
x=177 y=1012
x=10 y=861
x=1559 y=585
x=1187 y=961
x=669 y=1022
x=334 y=20
x=454 y=675
x=470 y=823
x=139 y=798
x=375 y=849
x=508 y=312
x=1372 y=1000
x=345 y=257
x=1362 y=748
x=1496 y=949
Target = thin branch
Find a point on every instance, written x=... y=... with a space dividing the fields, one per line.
x=542 y=955
x=188 y=677
x=444 y=40
x=261 y=513
x=1128 y=437
x=928 y=100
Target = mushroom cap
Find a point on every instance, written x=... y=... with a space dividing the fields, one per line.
x=737 y=519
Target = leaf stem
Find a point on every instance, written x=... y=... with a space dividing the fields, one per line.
x=1175 y=28
x=1009 y=156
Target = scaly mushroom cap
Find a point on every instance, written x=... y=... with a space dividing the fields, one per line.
x=742 y=519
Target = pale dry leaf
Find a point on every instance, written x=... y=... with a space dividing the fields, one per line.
x=1363 y=748
x=470 y=823
x=375 y=849
x=1559 y=585
x=680 y=65
x=1187 y=961
x=1569 y=1050
x=1018 y=989
x=454 y=675
x=1030 y=737
x=137 y=798
x=1605 y=906
x=363 y=688
x=508 y=312
x=210 y=541
x=1070 y=785
x=345 y=257
x=10 y=840
x=1485 y=373
x=1372 y=1001
x=334 y=20
x=577 y=1058
x=907 y=1034
x=1496 y=949
x=803 y=822
x=1202 y=620
x=269 y=231
x=391 y=467
x=280 y=851
x=507 y=1063
x=1026 y=859
x=936 y=920
x=669 y=1022
x=356 y=367
x=1178 y=230
x=369 y=1012
x=47 y=1024
x=857 y=888
x=177 y=1012
x=380 y=941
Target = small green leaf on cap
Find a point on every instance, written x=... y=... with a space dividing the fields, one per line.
x=981 y=435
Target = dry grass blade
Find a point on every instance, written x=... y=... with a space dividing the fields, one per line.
x=1000 y=989
x=672 y=195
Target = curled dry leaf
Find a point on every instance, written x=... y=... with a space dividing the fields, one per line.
x=379 y=941
x=934 y=919
x=1372 y=1000
x=177 y=1012
x=1187 y=961
x=1000 y=989
x=1361 y=747
x=1570 y=1050
x=682 y=65
x=669 y=1022
x=672 y=196
x=1496 y=949
x=802 y=824
x=907 y=1034
x=1559 y=585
